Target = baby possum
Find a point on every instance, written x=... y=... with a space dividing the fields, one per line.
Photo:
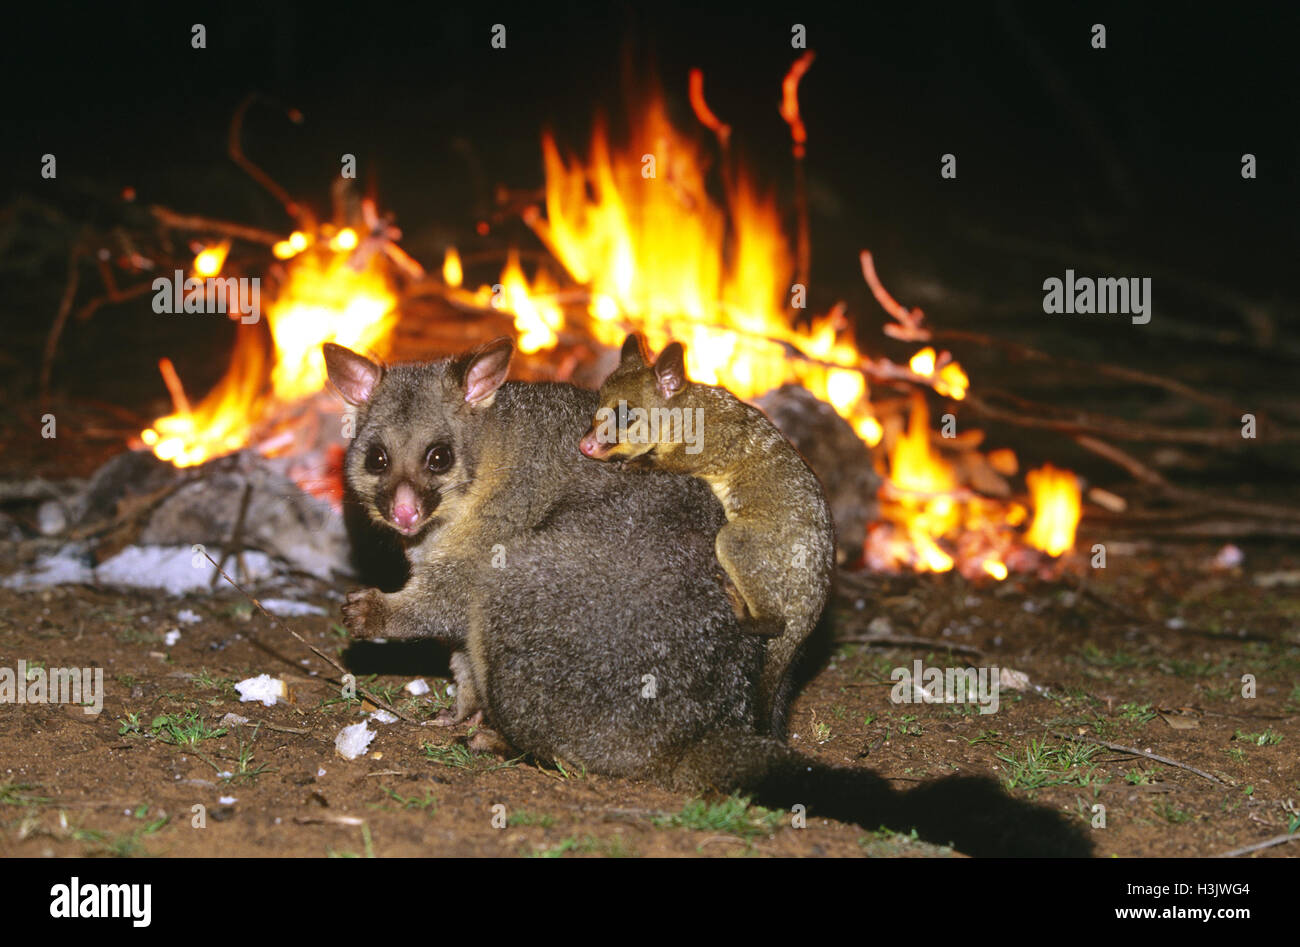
x=778 y=544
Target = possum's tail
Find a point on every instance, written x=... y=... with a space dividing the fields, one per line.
x=971 y=813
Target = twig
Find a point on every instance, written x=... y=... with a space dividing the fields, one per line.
x=1143 y=753
x=1085 y=423
x=374 y=699
x=907 y=641
x=60 y=320
x=1114 y=371
x=237 y=155
x=1267 y=843
x=174 y=221
x=1123 y=459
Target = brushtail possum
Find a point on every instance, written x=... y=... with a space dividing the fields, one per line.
x=778 y=546
x=584 y=603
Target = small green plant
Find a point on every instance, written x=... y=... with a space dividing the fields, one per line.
x=1044 y=764
x=20 y=794
x=732 y=815
x=129 y=726
x=1236 y=754
x=587 y=845
x=1140 y=714
x=429 y=804
x=1171 y=813
x=524 y=817
x=187 y=729
x=821 y=730
x=1138 y=777
x=460 y=756
x=224 y=685
x=1267 y=738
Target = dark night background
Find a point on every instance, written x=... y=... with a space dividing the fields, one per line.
x=1065 y=154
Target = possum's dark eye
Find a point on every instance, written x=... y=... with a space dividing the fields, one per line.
x=439 y=459
x=376 y=460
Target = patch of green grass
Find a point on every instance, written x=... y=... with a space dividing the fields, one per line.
x=1171 y=813
x=1140 y=714
x=1044 y=764
x=429 y=803
x=614 y=847
x=1236 y=754
x=133 y=635
x=1267 y=738
x=460 y=756
x=20 y=794
x=908 y=727
x=524 y=817
x=188 y=729
x=223 y=685
x=1096 y=657
x=731 y=816
x=120 y=845
x=1138 y=776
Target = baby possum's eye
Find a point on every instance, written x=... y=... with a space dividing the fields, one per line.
x=439 y=459
x=376 y=459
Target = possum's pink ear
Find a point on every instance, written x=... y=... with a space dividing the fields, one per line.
x=355 y=376
x=670 y=369
x=634 y=351
x=485 y=370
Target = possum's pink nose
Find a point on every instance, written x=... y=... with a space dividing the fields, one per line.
x=406 y=507
x=405 y=515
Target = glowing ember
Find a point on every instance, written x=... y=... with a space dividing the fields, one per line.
x=1056 y=509
x=452 y=273
x=210 y=260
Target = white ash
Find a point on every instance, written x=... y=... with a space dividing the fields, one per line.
x=264 y=688
x=290 y=608
x=353 y=741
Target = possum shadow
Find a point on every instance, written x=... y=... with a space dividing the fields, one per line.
x=976 y=816
x=403 y=658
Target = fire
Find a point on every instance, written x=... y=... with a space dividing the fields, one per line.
x=1056 y=509
x=324 y=298
x=636 y=226
x=639 y=230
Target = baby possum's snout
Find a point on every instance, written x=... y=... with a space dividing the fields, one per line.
x=591 y=445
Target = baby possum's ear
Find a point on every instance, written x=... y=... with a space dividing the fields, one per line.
x=670 y=369
x=635 y=351
x=484 y=370
x=353 y=375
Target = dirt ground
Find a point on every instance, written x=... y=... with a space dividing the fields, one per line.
x=1149 y=654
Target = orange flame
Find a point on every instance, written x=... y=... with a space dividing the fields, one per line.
x=1056 y=509
x=323 y=299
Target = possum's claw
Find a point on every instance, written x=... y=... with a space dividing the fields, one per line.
x=364 y=613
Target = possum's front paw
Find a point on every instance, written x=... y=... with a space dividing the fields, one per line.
x=364 y=613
